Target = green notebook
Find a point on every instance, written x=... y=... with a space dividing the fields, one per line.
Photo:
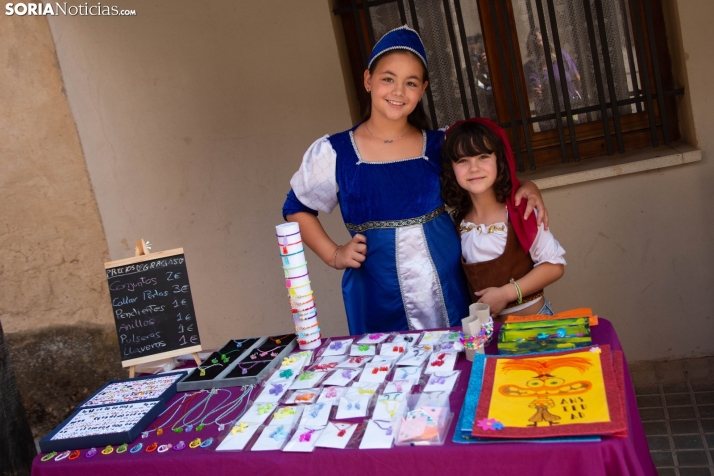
x=542 y=336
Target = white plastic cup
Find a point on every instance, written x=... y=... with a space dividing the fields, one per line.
x=287 y=229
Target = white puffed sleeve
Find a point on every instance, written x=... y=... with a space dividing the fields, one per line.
x=314 y=183
x=546 y=249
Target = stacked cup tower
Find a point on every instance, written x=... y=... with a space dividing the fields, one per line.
x=297 y=280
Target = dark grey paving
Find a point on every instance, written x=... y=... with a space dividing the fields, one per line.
x=662 y=458
x=692 y=458
x=687 y=442
x=666 y=472
x=683 y=427
x=653 y=428
x=695 y=472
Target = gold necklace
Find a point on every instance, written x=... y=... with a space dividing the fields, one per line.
x=387 y=141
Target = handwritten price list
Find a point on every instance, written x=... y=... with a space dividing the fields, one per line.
x=153 y=307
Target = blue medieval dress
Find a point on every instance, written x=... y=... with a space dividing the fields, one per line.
x=412 y=276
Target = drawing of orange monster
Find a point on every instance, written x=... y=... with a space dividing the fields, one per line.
x=545 y=385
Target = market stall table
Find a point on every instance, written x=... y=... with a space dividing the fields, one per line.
x=611 y=456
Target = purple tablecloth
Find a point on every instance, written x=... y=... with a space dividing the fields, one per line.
x=611 y=456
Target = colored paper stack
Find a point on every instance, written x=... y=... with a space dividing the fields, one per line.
x=297 y=280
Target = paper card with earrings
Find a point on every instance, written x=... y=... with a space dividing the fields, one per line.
x=377 y=435
x=354 y=362
x=451 y=336
x=258 y=412
x=375 y=373
x=414 y=356
x=284 y=375
x=410 y=374
x=304 y=357
x=389 y=405
x=308 y=379
x=287 y=415
x=316 y=414
x=272 y=392
x=400 y=386
x=363 y=388
x=441 y=362
x=331 y=395
x=406 y=340
x=432 y=337
x=337 y=347
x=272 y=438
x=375 y=338
x=362 y=349
x=331 y=359
x=341 y=377
x=238 y=437
x=295 y=397
x=338 y=435
x=353 y=407
x=390 y=348
x=304 y=439
x=441 y=382
x=385 y=359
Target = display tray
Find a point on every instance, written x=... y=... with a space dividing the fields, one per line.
x=195 y=381
x=232 y=376
x=152 y=387
x=102 y=425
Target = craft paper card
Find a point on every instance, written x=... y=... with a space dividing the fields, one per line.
x=337 y=435
x=258 y=413
x=307 y=379
x=373 y=338
x=377 y=435
x=336 y=359
x=304 y=439
x=401 y=386
x=374 y=373
x=363 y=349
x=441 y=382
x=341 y=377
x=352 y=407
x=407 y=340
x=441 y=362
x=386 y=359
x=302 y=396
x=388 y=406
x=557 y=394
x=316 y=414
x=390 y=348
x=338 y=347
x=414 y=357
x=273 y=392
x=238 y=437
x=272 y=438
x=411 y=374
x=287 y=415
x=432 y=337
x=331 y=395
x=354 y=362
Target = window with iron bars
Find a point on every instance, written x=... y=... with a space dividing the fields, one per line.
x=567 y=79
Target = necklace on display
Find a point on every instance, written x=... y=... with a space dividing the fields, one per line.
x=246 y=394
x=279 y=340
x=203 y=404
x=202 y=370
x=341 y=431
x=251 y=365
x=159 y=428
x=222 y=407
x=387 y=141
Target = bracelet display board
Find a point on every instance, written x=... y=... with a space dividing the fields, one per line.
x=153 y=387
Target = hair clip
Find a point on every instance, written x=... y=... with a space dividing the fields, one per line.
x=74 y=455
x=109 y=449
x=337 y=345
x=277 y=388
x=134 y=449
x=92 y=452
x=152 y=447
x=122 y=448
x=306 y=376
x=306 y=436
x=279 y=433
x=163 y=448
x=195 y=443
x=62 y=455
x=180 y=446
x=48 y=456
x=207 y=443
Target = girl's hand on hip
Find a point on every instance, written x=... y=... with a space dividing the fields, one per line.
x=496 y=298
x=530 y=192
x=353 y=254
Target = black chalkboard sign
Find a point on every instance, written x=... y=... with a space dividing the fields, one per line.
x=152 y=306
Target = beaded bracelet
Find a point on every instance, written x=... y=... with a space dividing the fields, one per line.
x=288 y=280
x=306 y=327
x=334 y=257
x=290 y=244
x=305 y=342
x=295 y=311
x=298 y=304
x=293 y=296
x=299 y=285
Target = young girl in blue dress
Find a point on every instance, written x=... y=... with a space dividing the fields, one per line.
x=508 y=260
x=402 y=265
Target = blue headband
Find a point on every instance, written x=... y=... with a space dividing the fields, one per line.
x=402 y=38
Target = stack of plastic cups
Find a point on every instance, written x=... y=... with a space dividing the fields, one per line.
x=297 y=280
